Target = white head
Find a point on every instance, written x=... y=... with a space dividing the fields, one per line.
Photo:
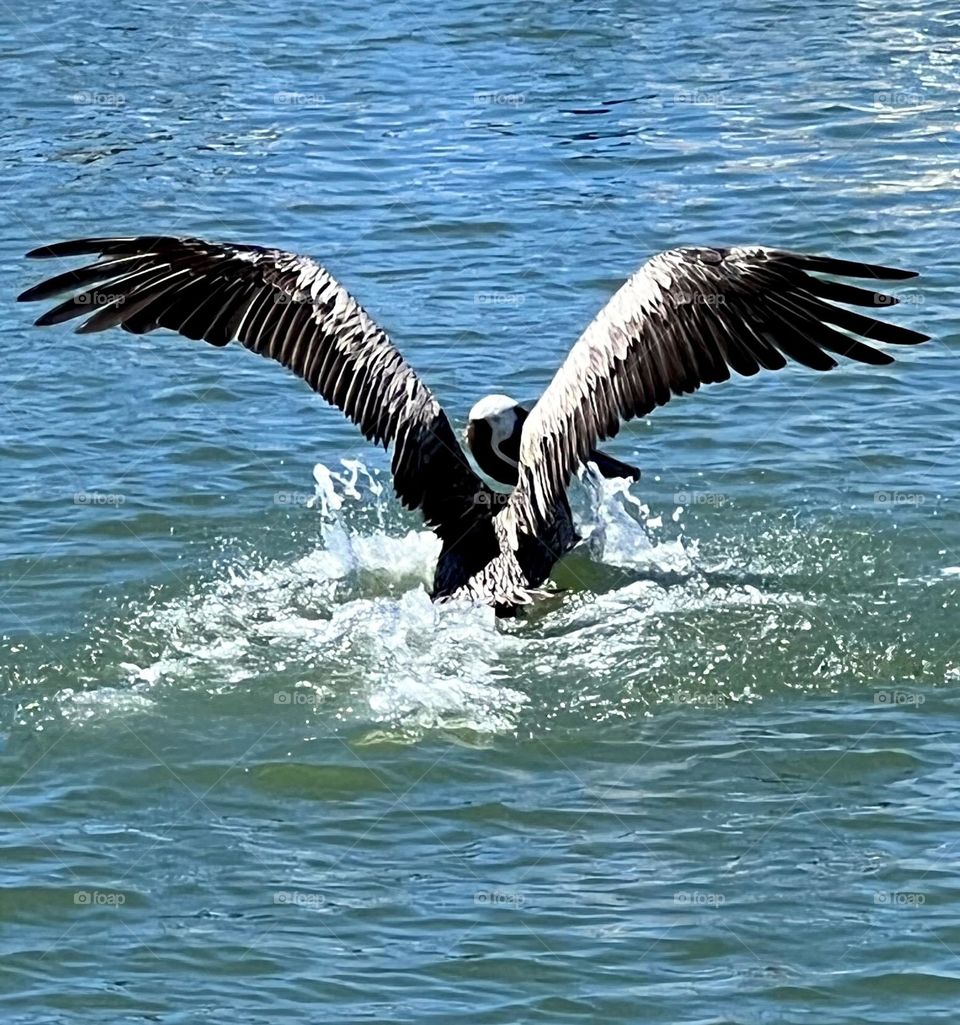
x=493 y=436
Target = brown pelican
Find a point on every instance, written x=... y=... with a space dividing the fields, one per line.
x=687 y=317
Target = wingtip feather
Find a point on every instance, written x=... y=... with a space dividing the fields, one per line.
x=71 y=247
x=852 y=268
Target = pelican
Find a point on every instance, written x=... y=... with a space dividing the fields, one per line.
x=689 y=316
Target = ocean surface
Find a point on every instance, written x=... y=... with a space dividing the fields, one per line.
x=248 y=773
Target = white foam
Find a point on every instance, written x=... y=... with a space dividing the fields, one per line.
x=351 y=622
x=104 y=703
x=355 y=610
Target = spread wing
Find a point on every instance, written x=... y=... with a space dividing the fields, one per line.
x=688 y=317
x=286 y=307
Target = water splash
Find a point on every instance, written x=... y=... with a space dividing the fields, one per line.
x=348 y=635
x=620 y=530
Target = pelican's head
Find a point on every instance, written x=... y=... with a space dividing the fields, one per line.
x=493 y=436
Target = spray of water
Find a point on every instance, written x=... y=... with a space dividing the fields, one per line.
x=347 y=630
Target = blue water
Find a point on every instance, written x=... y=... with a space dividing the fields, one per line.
x=247 y=771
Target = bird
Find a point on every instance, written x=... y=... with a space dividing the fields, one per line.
x=688 y=317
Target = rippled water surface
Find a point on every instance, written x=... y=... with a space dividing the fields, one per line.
x=249 y=773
